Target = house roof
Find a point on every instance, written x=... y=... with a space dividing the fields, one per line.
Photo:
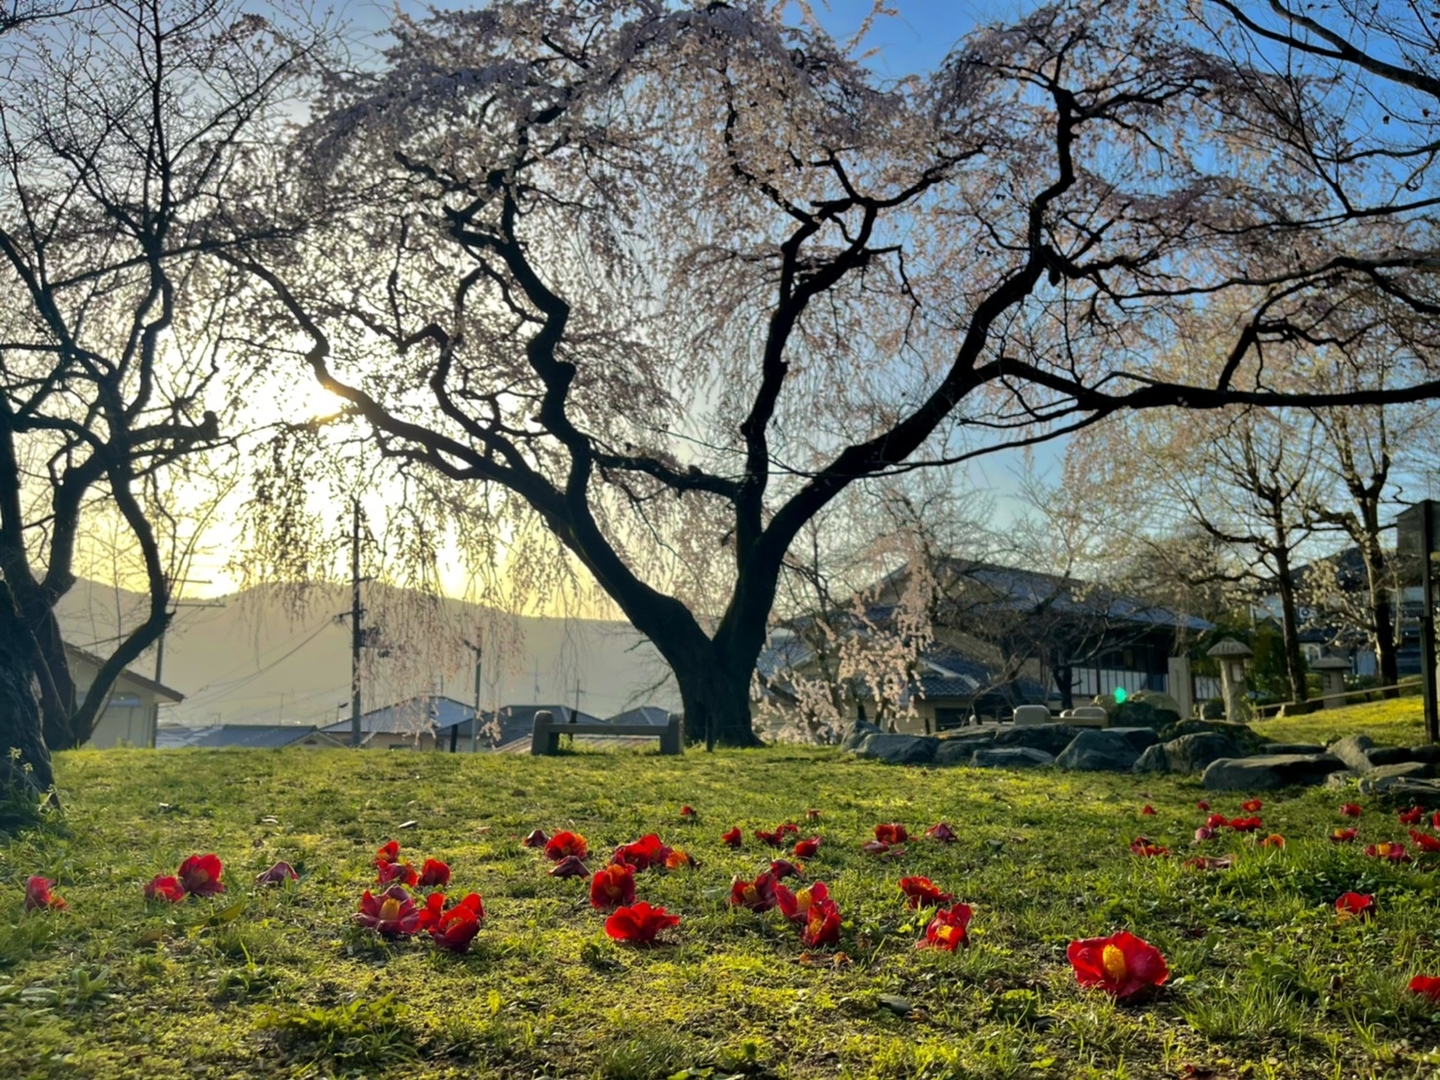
x=645 y=714
x=428 y=713
x=74 y=652
x=270 y=736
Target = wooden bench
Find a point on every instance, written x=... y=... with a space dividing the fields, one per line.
x=545 y=738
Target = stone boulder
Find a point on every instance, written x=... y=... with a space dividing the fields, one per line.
x=1148 y=708
x=1389 y=755
x=1139 y=738
x=1426 y=753
x=857 y=734
x=1094 y=751
x=959 y=750
x=1424 y=792
x=1245 y=739
x=1267 y=772
x=1011 y=757
x=1051 y=738
x=1354 y=751
x=1383 y=778
x=1154 y=759
x=899 y=749
x=1291 y=748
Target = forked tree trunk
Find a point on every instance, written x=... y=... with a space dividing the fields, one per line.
x=715 y=698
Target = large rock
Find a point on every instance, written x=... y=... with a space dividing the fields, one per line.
x=1154 y=759
x=1389 y=755
x=959 y=750
x=1430 y=753
x=899 y=749
x=1148 y=708
x=1267 y=772
x=1138 y=737
x=1052 y=738
x=1193 y=753
x=1424 y=792
x=1094 y=751
x=1387 y=777
x=857 y=734
x=1291 y=748
x=1011 y=757
x=1245 y=739
x=1354 y=751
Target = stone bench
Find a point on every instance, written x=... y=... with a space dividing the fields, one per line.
x=545 y=737
x=1089 y=716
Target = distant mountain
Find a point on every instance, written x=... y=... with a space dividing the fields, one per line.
x=260 y=657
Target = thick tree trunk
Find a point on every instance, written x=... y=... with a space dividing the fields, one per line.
x=25 y=772
x=1290 y=628
x=715 y=697
x=57 y=687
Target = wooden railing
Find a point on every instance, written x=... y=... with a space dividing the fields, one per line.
x=1315 y=704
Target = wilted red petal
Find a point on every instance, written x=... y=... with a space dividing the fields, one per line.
x=942 y=832
x=1350 y=809
x=1143 y=845
x=1121 y=964
x=922 y=892
x=783 y=868
x=38 y=894
x=434 y=873
x=891 y=834
x=1274 y=840
x=397 y=873
x=200 y=875
x=1202 y=805
x=1355 y=905
x=639 y=923
x=1343 y=836
x=389 y=852
x=1147 y=810
x=1204 y=833
x=1251 y=806
x=566 y=843
x=732 y=838
x=1424 y=841
x=165 y=887
x=874 y=847
x=812 y=815
x=569 y=866
x=1412 y=816
x=1395 y=852
x=1429 y=985
x=774 y=839
x=687 y=811
x=278 y=874
x=757 y=895
x=537 y=838
x=806 y=849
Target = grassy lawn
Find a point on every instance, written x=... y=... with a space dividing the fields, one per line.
x=1265 y=980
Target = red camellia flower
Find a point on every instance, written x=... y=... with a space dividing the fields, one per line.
x=1412 y=816
x=1354 y=905
x=1428 y=985
x=822 y=926
x=200 y=875
x=783 y=868
x=812 y=815
x=1204 y=833
x=638 y=924
x=566 y=843
x=1435 y=820
x=434 y=874
x=388 y=853
x=774 y=839
x=1245 y=824
x=613 y=887
x=1343 y=836
x=1214 y=821
x=569 y=866
x=687 y=811
x=1395 y=852
x=796 y=906
x=1202 y=805
x=947 y=929
x=392 y=914
x=164 y=887
x=1251 y=806
x=806 y=849
x=397 y=873
x=1147 y=810
x=879 y=847
x=537 y=838
x=1121 y=964
x=1274 y=840
x=757 y=895
x=38 y=894
x=1143 y=845
x=788 y=827
x=891 y=834
x=731 y=838
x=677 y=858
x=456 y=929
x=922 y=892
x=1424 y=841
x=644 y=853
x=1350 y=809
x=278 y=874
x=1208 y=862
x=942 y=832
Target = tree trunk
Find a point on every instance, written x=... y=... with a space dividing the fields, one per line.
x=25 y=772
x=715 y=699
x=57 y=687
x=1290 y=628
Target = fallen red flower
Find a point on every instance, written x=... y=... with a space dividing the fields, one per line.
x=1354 y=905
x=942 y=832
x=1412 y=816
x=278 y=874
x=389 y=852
x=566 y=843
x=732 y=838
x=613 y=887
x=434 y=873
x=1214 y=821
x=796 y=906
x=401 y=873
x=1147 y=810
x=687 y=811
x=456 y=929
x=165 y=887
x=1395 y=852
x=788 y=827
x=1428 y=985
x=874 y=847
x=812 y=815
x=1251 y=805
x=537 y=838
x=1208 y=862
x=1435 y=820
x=678 y=858
x=200 y=875
x=1274 y=840
x=1202 y=805
x=757 y=895
x=1424 y=841
x=638 y=924
x=774 y=839
x=891 y=834
x=1343 y=836
x=783 y=868
x=822 y=926
x=922 y=892
x=1204 y=833
x=1245 y=824
x=1350 y=809
x=1121 y=964
x=947 y=929
x=806 y=849
x=38 y=895
x=1143 y=845
x=570 y=866
x=392 y=914
x=644 y=853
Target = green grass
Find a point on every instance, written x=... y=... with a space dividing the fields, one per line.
x=1395 y=722
x=1265 y=981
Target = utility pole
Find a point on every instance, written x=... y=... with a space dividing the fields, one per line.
x=357 y=632
x=576 y=714
x=478 y=648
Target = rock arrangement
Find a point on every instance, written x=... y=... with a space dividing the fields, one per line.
x=1230 y=757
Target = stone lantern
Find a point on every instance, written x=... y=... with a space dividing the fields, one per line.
x=1332 y=671
x=1232 y=655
